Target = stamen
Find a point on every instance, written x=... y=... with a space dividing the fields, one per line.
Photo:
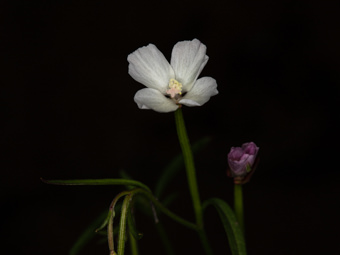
x=175 y=88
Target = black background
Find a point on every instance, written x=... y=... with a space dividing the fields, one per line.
x=68 y=111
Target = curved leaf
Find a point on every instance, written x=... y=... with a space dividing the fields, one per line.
x=98 y=182
x=230 y=224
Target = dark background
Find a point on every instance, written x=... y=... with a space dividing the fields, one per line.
x=68 y=111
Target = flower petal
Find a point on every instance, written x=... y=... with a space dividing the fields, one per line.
x=188 y=59
x=202 y=90
x=148 y=66
x=250 y=148
x=153 y=99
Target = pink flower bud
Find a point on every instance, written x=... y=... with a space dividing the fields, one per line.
x=241 y=159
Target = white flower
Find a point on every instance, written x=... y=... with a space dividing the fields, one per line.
x=171 y=85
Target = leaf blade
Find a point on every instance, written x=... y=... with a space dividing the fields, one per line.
x=90 y=182
x=230 y=224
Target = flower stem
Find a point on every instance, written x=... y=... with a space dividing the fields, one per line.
x=122 y=225
x=189 y=165
x=238 y=205
x=191 y=176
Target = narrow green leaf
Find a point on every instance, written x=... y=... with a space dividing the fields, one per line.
x=98 y=182
x=231 y=226
x=103 y=225
x=175 y=165
x=107 y=219
x=87 y=235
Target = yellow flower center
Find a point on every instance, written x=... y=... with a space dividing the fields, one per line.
x=175 y=88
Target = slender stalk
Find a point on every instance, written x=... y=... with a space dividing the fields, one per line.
x=205 y=242
x=133 y=244
x=123 y=218
x=110 y=221
x=122 y=225
x=191 y=176
x=110 y=237
x=189 y=165
x=238 y=205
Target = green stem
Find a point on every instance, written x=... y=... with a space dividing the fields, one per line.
x=189 y=165
x=123 y=218
x=205 y=242
x=238 y=205
x=122 y=225
x=191 y=176
x=110 y=221
x=133 y=244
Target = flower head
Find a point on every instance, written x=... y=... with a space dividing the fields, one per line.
x=241 y=159
x=168 y=86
